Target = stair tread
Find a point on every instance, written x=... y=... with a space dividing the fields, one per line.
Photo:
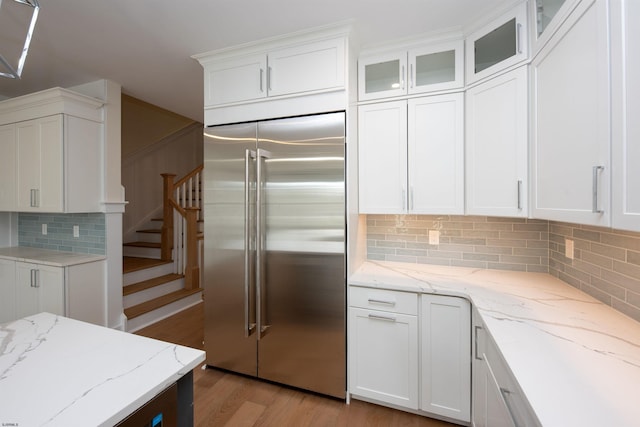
x=130 y=263
x=143 y=244
x=150 y=230
x=147 y=306
x=150 y=283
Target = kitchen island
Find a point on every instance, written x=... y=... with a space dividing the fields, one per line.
x=56 y=371
x=576 y=360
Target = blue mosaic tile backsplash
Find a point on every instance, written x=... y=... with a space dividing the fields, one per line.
x=91 y=240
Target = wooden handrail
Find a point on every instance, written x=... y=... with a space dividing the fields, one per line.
x=190 y=175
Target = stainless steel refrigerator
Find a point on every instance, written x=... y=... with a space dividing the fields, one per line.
x=274 y=257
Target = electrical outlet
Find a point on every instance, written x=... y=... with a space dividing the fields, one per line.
x=76 y=231
x=44 y=229
x=568 y=248
x=434 y=237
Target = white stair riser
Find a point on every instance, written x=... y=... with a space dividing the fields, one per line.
x=163 y=312
x=149 y=237
x=135 y=251
x=151 y=293
x=146 y=274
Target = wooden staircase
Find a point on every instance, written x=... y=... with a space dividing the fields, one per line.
x=160 y=281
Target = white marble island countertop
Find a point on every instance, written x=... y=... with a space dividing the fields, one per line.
x=576 y=359
x=56 y=371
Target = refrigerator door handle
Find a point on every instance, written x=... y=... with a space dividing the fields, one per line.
x=260 y=243
x=249 y=327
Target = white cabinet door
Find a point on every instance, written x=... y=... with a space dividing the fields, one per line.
x=8 y=168
x=7 y=290
x=625 y=78
x=235 y=80
x=496 y=146
x=383 y=354
x=499 y=45
x=436 y=154
x=436 y=67
x=445 y=328
x=489 y=406
x=309 y=67
x=571 y=121
x=39 y=288
x=382 y=75
x=39 y=144
x=382 y=157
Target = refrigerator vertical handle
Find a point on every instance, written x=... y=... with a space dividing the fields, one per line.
x=249 y=327
x=260 y=244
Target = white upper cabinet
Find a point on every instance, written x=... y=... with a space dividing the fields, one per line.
x=273 y=70
x=496 y=146
x=625 y=114
x=411 y=156
x=545 y=17
x=7 y=167
x=436 y=154
x=57 y=152
x=411 y=70
x=40 y=165
x=382 y=157
x=497 y=46
x=308 y=67
x=570 y=164
x=235 y=80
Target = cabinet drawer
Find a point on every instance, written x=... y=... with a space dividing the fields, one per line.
x=383 y=300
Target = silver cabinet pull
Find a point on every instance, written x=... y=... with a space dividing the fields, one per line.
x=519 y=194
x=506 y=396
x=518 y=37
x=402 y=79
x=261 y=79
x=379 y=301
x=34 y=201
x=411 y=76
x=35 y=278
x=269 y=72
x=475 y=340
x=404 y=199
x=411 y=198
x=596 y=175
x=379 y=317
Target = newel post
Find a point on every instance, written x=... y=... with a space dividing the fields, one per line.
x=166 y=244
x=192 y=269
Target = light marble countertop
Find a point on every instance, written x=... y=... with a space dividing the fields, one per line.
x=47 y=256
x=56 y=371
x=576 y=359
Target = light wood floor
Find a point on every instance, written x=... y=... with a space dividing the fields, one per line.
x=228 y=400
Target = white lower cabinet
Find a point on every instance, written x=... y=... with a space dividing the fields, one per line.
x=39 y=288
x=383 y=346
x=7 y=290
x=445 y=329
x=75 y=291
x=410 y=351
x=497 y=398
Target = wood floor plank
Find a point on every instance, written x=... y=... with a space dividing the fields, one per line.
x=226 y=399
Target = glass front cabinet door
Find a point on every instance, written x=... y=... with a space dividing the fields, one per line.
x=499 y=45
x=411 y=71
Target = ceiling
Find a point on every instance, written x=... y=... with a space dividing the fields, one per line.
x=146 y=46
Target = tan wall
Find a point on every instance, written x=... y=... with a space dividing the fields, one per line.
x=144 y=124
